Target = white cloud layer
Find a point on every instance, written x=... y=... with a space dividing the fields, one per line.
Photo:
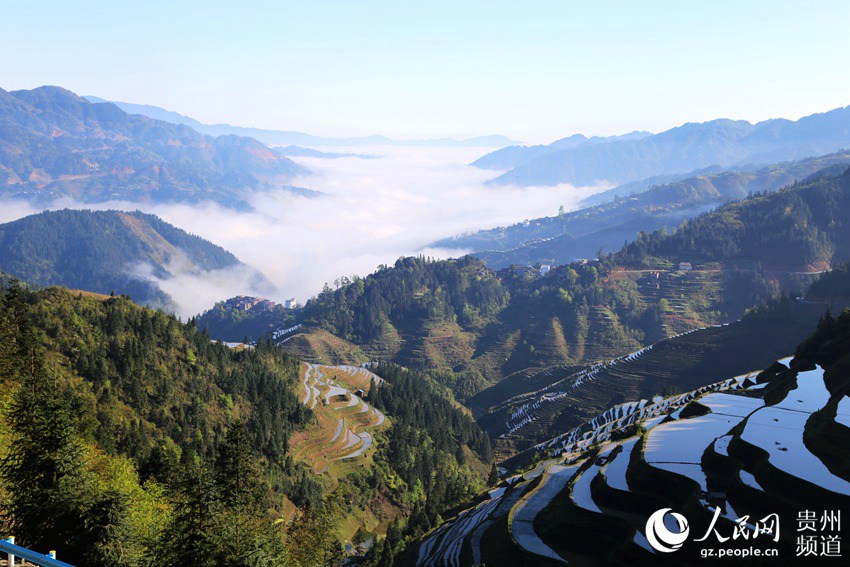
x=374 y=211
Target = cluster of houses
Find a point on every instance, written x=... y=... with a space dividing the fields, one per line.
x=250 y=303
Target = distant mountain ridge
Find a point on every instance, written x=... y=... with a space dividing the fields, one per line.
x=55 y=144
x=685 y=148
x=581 y=233
x=288 y=138
x=105 y=252
x=298 y=151
x=512 y=156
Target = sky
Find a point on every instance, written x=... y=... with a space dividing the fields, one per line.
x=534 y=70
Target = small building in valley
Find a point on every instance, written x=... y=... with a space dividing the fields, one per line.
x=248 y=303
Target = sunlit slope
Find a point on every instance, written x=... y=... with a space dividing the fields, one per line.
x=460 y=317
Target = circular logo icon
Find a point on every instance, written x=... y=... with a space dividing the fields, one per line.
x=661 y=534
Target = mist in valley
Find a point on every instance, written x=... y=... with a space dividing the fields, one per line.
x=372 y=212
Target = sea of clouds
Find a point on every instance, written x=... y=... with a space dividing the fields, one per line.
x=372 y=212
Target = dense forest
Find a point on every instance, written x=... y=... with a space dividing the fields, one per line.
x=469 y=326
x=798 y=227
x=128 y=437
x=410 y=291
x=134 y=424
x=831 y=285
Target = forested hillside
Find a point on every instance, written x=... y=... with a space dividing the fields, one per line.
x=412 y=290
x=470 y=326
x=136 y=426
x=228 y=322
x=106 y=252
x=129 y=437
x=801 y=227
x=436 y=451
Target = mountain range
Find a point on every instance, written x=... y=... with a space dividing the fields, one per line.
x=682 y=149
x=287 y=138
x=583 y=233
x=54 y=144
x=478 y=410
x=513 y=156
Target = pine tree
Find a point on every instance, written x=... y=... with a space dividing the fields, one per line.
x=311 y=539
x=494 y=475
x=193 y=526
x=244 y=536
x=237 y=473
x=43 y=469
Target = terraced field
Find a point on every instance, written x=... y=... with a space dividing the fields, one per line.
x=458 y=541
x=345 y=423
x=521 y=520
x=752 y=445
x=686 y=292
x=563 y=397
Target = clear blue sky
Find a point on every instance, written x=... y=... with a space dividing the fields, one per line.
x=534 y=70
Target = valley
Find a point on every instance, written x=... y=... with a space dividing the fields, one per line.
x=442 y=412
